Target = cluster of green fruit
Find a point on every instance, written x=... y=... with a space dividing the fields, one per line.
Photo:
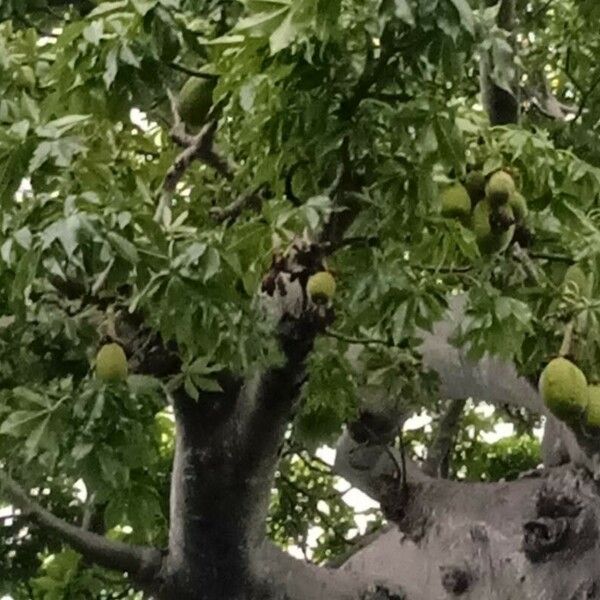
x=491 y=206
x=566 y=393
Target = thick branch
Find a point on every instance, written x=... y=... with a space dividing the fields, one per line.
x=143 y=563
x=298 y=580
x=489 y=380
x=536 y=537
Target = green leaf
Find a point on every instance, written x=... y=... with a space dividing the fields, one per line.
x=33 y=440
x=143 y=6
x=211 y=262
x=14 y=423
x=23 y=394
x=466 y=15
x=111 y=68
x=262 y=24
x=283 y=36
x=206 y=384
x=190 y=389
x=124 y=247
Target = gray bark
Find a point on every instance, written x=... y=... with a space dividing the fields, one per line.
x=490 y=379
x=533 y=538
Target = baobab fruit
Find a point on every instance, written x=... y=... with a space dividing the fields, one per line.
x=456 y=202
x=475 y=186
x=592 y=411
x=195 y=101
x=499 y=188
x=519 y=206
x=490 y=238
x=564 y=389
x=321 y=287
x=111 y=363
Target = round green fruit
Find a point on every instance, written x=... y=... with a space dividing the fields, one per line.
x=456 y=202
x=475 y=185
x=519 y=206
x=321 y=287
x=564 y=389
x=195 y=100
x=592 y=411
x=111 y=363
x=499 y=188
x=489 y=240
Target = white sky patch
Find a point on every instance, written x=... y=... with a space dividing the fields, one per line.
x=501 y=430
x=81 y=492
x=326 y=454
x=419 y=421
x=137 y=117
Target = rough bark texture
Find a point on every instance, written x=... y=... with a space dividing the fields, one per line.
x=532 y=538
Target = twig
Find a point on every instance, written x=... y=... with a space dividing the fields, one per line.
x=523 y=257
x=443 y=270
x=183 y=69
x=197 y=147
x=552 y=257
x=232 y=211
x=565 y=347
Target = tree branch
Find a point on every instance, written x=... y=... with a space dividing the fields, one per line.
x=487 y=540
x=501 y=105
x=438 y=454
x=197 y=147
x=293 y=579
x=142 y=563
x=490 y=379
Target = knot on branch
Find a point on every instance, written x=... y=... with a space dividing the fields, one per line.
x=147 y=352
x=544 y=537
x=456 y=579
x=565 y=517
x=396 y=504
x=380 y=592
x=555 y=503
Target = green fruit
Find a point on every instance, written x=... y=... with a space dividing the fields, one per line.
x=519 y=206
x=111 y=363
x=499 y=188
x=576 y=278
x=564 y=389
x=455 y=202
x=592 y=411
x=321 y=287
x=475 y=185
x=195 y=101
x=489 y=239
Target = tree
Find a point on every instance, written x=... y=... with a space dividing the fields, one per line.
x=326 y=134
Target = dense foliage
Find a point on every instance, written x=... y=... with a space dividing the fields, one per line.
x=385 y=91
